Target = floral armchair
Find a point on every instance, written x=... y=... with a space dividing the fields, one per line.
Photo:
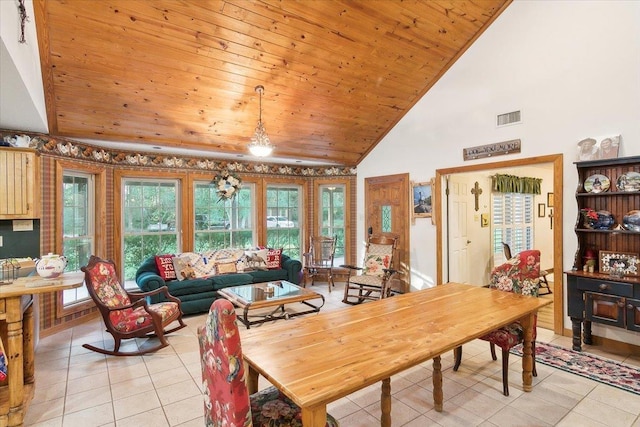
x=127 y=315
x=520 y=275
x=226 y=397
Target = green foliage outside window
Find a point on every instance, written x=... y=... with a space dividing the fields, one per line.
x=283 y=229
x=150 y=218
x=225 y=223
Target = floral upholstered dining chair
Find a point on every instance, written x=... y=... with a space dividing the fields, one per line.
x=226 y=397
x=520 y=275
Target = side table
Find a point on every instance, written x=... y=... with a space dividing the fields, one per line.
x=16 y=332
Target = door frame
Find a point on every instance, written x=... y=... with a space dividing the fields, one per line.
x=403 y=267
x=557 y=161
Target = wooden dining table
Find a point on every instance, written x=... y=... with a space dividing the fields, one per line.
x=321 y=358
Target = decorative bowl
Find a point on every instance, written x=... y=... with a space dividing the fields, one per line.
x=605 y=221
x=631 y=220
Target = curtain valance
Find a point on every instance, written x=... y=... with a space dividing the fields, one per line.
x=516 y=184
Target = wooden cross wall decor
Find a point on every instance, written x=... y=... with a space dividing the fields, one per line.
x=476 y=191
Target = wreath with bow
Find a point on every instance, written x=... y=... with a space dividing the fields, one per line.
x=227 y=185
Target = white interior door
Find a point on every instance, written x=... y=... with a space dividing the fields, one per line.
x=459 y=229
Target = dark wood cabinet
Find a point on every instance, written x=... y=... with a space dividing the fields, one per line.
x=598 y=296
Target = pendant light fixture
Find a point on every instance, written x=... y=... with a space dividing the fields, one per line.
x=260 y=145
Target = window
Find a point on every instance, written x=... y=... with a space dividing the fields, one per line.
x=283 y=218
x=150 y=221
x=512 y=222
x=332 y=207
x=223 y=223
x=78 y=227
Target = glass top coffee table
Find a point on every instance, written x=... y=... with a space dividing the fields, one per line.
x=271 y=295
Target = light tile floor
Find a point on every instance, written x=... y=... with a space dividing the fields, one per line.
x=77 y=387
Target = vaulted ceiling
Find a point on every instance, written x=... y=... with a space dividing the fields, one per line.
x=338 y=75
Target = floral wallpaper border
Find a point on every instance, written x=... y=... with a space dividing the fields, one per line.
x=73 y=149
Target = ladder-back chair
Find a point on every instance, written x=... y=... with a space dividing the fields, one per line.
x=319 y=260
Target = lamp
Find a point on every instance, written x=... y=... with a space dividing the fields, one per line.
x=260 y=145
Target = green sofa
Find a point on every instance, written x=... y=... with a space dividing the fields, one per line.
x=197 y=295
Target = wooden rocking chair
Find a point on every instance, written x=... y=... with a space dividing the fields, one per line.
x=373 y=281
x=127 y=314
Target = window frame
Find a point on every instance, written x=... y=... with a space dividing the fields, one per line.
x=316 y=208
x=183 y=199
x=99 y=226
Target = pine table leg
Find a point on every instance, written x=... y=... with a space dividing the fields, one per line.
x=385 y=403
x=437 y=384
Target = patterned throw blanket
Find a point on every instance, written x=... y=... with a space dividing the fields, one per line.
x=3 y=363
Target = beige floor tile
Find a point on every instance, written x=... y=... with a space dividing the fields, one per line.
x=87 y=399
x=616 y=398
x=557 y=396
x=178 y=391
x=416 y=397
x=535 y=407
x=478 y=403
x=453 y=415
x=172 y=376
x=89 y=382
x=401 y=413
x=573 y=383
x=97 y=415
x=342 y=408
x=126 y=373
x=132 y=387
x=81 y=370
x=152 y=418
x=512 y=417
x=42 y=411
x=136 y=404
x=51 y=376
x=574 y=419
x=54 y=422
x=359 y=419
x=185 y=410
x=604 y=414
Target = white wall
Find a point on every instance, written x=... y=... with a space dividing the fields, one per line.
x=571 y=67
x=21 y=96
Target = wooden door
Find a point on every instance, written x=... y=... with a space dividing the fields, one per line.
x=386 y=201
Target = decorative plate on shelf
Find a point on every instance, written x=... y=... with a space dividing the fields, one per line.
x=596 y=184
x=629 y=181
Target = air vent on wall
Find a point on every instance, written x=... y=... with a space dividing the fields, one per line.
x=509 y=118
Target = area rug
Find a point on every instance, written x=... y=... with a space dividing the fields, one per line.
x=586 y=365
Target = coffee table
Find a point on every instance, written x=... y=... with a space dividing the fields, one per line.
x=256 y=296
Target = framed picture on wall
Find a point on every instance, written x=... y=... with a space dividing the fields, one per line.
x=422 y=200
x=550 y=200
x=541 y=210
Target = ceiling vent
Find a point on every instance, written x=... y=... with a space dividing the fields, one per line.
x=507 y=119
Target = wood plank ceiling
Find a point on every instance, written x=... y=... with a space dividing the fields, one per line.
x=338 y=75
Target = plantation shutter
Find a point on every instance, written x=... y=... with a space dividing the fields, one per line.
x=512 y=223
